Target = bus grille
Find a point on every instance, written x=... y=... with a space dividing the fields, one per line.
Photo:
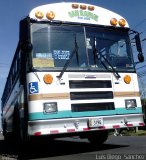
x=92 y=107
x=91 y=95
x=90 y=84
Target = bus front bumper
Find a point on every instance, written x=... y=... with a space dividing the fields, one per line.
x=82 y=124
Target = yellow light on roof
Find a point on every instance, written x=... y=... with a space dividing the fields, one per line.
x=83 y=7
x=39 y=14
x=122 y=22
x=127 y=79
x=91 y=8
x=75 y=6
x=48 y=79
x=113 y=22
x=50 y=15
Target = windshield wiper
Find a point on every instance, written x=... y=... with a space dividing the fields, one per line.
x=75 y=51
x=95 y=53
x=35 y=73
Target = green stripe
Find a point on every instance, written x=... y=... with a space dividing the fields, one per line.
x=69 y=114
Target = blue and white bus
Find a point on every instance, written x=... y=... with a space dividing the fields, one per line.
x=73 y=73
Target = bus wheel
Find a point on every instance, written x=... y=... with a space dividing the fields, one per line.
x=98 y=138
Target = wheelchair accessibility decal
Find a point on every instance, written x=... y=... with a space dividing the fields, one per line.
x=33 y=87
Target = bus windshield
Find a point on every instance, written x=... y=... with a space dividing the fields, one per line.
x=53 y=45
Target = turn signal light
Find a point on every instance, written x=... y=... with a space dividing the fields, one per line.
x=127 y=79
x=122 y=22
x=113 y=21
x=50 y=15
x=39 y=14
x=48 y=79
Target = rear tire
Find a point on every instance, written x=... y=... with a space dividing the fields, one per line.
x=98 y=138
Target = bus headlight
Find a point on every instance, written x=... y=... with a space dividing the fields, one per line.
x=130 y=103
x=50 y=107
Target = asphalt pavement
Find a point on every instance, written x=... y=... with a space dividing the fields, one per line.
x=115 y=148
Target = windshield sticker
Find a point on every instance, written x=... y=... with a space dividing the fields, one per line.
x=61 y=54
x=43 y=55
x=33 y=88
x=43 y=62
x=85 y=15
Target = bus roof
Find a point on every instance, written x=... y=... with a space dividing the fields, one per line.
x=77 y=13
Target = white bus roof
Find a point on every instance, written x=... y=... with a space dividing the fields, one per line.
x=76 y=12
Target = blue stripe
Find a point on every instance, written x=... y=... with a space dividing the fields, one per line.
x=69 y=114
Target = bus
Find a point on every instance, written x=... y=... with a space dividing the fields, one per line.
x=73 y=74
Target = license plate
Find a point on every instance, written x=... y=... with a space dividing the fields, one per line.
x=95 y=122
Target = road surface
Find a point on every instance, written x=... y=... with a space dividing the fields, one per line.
x=115 y=148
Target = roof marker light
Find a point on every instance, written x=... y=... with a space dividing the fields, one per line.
x=91 y=8
x=50 y=15
x=75 y=6
x=39 y=14
x=122 y=22
x=113 y=22
x=83 y=7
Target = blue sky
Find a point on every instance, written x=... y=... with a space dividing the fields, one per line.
x=12 y=11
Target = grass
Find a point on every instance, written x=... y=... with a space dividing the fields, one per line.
x=132 y=132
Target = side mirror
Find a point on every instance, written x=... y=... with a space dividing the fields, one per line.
x=139 y=48
x=140 y=57
x=138 y=43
